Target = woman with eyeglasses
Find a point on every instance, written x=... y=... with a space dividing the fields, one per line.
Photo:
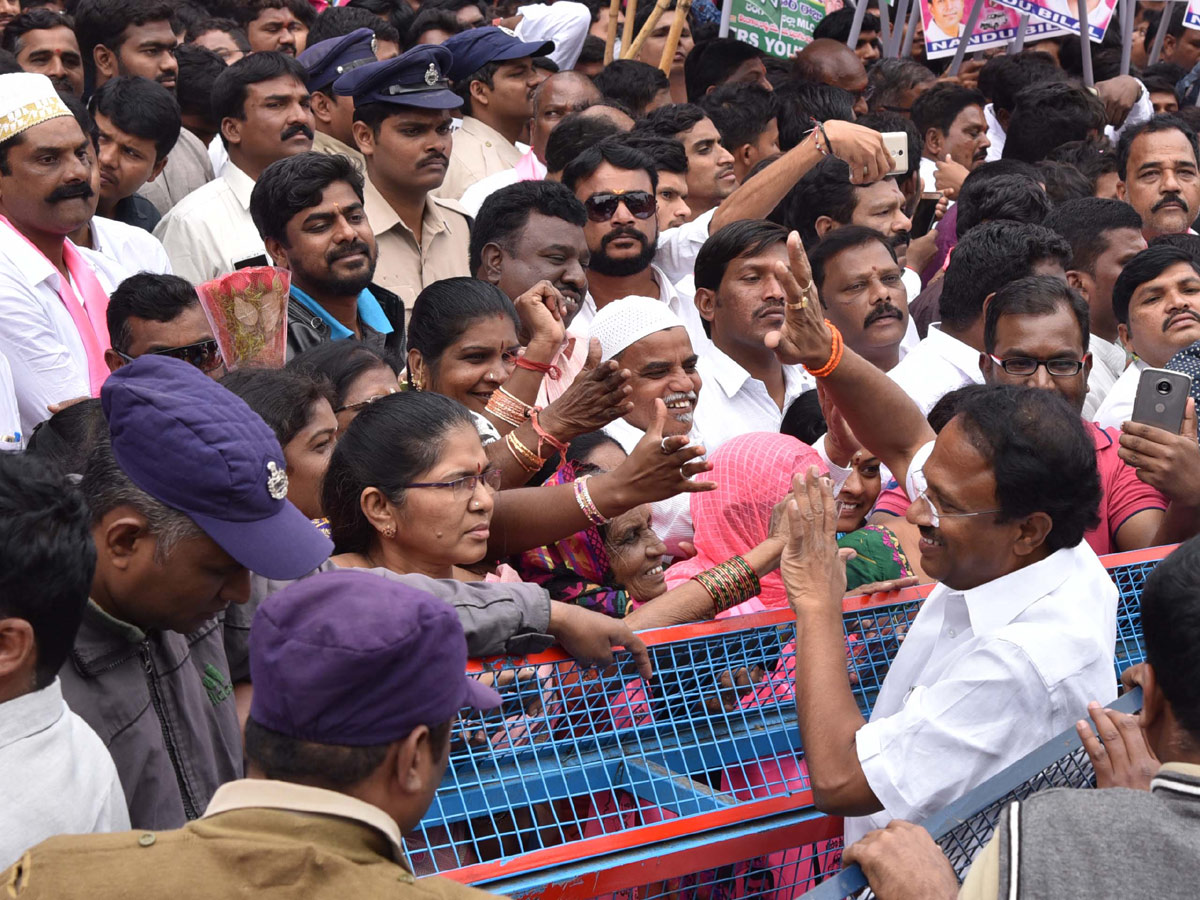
x=358 y=375
x=467 y=340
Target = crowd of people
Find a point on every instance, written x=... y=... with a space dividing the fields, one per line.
x=576 y=343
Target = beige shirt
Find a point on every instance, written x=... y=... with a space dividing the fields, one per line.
x=188 y=167
x=407 y=265
x=325 y=143
x=479 y=151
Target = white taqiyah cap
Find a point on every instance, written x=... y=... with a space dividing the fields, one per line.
x=27 y=99
x=626 y=321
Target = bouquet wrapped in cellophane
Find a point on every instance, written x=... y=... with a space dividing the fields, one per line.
x=248 y=312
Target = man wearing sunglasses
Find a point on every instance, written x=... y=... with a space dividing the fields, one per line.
x=1018 y=635
x=160 y=314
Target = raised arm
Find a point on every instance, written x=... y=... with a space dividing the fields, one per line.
x=880 y=414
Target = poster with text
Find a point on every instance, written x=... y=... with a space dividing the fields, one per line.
x=943 y=22
x=1191 y=18
x=1065 y=14
x=781 y=28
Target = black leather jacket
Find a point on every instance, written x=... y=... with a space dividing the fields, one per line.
x=305 y=330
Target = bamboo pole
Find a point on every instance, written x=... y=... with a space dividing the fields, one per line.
x=885 y=30
x=968 y=30
x=1126 y=35
x=1018 y=43
x=1161 y=35
x=614 y=9
x=899 y=27
x=1085 y=44
x=911 y=32
x=642 y=36
x=668 y=54
x=856 y=24
x=627 y=31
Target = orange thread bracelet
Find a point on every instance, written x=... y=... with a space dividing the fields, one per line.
x=835 y=354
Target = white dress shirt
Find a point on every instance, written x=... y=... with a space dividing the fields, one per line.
x=681 y=303
x=210 y=229
x=11 y=437
x=57 y=774
x=935 y=367
x=1108 y=364
x=996 y=134
x=679 y=246
x=671 y=519
x=1118 y=405
x=565 y=22
x=125 y=250
x=733 y=402
x=37 y=335
x=985 y=676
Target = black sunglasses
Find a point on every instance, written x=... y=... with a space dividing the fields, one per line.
x=602 y=207
x=204 y=355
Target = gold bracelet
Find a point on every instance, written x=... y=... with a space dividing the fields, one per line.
x=526 y=458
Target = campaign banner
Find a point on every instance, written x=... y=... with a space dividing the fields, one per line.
x=1065 y=14
x=943 y=21
x=1191 y=17
x=781 y=28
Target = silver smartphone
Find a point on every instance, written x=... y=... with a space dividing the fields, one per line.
x=1161 y=399
x=896 y=143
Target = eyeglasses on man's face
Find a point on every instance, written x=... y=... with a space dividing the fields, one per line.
x=921 y=486
x=602 y=207
x=1062 y=367
x=204 y=355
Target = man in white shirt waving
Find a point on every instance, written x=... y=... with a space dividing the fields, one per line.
x=1017 y=637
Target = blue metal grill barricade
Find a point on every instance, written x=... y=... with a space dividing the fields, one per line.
x=592 y=784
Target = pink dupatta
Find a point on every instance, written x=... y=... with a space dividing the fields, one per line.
x=89 y=317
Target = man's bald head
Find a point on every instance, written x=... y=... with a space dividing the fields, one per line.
x=556 y=98
x=826 y=61
x=622 y=120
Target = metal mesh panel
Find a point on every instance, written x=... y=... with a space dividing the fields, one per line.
x=593 y=763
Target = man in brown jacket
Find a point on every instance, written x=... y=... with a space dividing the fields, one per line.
x=357 y=682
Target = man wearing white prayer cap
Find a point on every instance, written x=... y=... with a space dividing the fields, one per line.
x=52 y=302
x=652 y=342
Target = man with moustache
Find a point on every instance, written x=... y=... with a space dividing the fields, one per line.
x=402 y=128
x=263 y=106
x=740 y=300
x=1015 y=639
x=53 y=296
x=529 y=232
x=617 y=186
x=710 y=173
x=954 y=134
x=309 y=211
x=1159 y=175
x=136 y=37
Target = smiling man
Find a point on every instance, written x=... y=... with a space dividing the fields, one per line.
x=402 y=128
x=263 y=106
x=492 y=71
x=1156 y=302
x=530 y=232
x=1159 y=175
x=309 y=211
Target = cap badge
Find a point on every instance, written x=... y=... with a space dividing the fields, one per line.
x=508 y=31
x=374 y=45
x=277 y=481
x=431 y=75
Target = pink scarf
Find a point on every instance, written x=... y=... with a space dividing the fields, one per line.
x=90 y=317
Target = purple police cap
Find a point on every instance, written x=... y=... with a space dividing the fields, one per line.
x=326 y=61
x=198 y=448
x=355 y=659
x=476 y=47
x=416 y=77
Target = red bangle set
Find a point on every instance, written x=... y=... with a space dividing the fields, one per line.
x=545 y=368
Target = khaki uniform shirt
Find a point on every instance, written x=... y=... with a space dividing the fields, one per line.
x=479 y=150
x=407 y=265
x=325 y=143
x=266 y=839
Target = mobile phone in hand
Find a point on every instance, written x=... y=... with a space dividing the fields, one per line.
x=1161 y=399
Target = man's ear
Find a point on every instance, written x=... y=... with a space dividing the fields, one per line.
x=113 y=360
x=1121 y=190
x=321 y=106
x=1002 y=116
x=706 y=303
x=1080 y=281
x=231 y=130
x=277 y=252
x=18 y=649
x=823 y=226
x=158 y=168
x=364 y=136
x=1168 y=47
x=106 y=61
x=985 y=366
x=1032 y=534
x=1124 y=336
x=934 y=141
x=490 y=263
x=121 y=532
x=481 y=94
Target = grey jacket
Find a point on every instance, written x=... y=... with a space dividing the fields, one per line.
x=498 y=618
x=163 y=704
x=1065 y=844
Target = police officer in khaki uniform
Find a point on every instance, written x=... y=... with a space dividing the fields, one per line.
x=357 y=681
x=324 y=63
x=402 y=127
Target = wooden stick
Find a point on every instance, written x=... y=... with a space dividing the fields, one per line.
x=1160 y=35
x=968 y=30
x=1085 y=44
x=651 y=23
x=627 y=31
x=668 y=54
x=860 y=12
x=610 y=42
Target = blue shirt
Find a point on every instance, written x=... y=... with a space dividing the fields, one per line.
x=370 y=313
